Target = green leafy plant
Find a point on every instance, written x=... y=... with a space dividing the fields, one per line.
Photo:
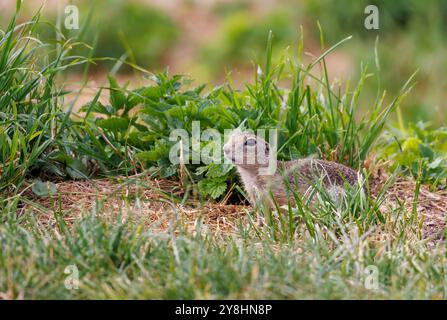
x=418 y=149
x=135 y=126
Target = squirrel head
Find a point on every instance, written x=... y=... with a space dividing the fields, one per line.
x=247 y=150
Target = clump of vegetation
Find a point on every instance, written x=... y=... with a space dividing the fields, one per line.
x=310 y=120
x=32 y=122
x=420 y=150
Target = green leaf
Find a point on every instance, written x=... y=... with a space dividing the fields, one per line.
x=426 y=151
x=44 y=189
x=166 y=172
x=113 y=124
x=436 y=163
x=213 y=187
x=62 y=158
x=142 y=94
x=97 y=107
x=149 y=156
x=77 y=170
x=411 y=144
x=117 y=97
x=214 y=170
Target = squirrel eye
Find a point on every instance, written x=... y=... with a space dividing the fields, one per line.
x=250 y=142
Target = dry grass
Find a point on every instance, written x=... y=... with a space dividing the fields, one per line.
x=431 y=206
x=158 y=202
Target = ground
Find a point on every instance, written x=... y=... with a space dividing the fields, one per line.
x=161 y=200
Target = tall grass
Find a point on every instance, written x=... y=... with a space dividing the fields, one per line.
x=314 y=116
x=32 y=119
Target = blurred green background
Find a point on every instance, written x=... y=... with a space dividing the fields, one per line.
x=209 y=38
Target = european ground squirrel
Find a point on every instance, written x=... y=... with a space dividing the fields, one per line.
x=252 y=157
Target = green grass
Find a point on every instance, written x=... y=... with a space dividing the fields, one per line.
x=128 y=260
x=31 y=118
